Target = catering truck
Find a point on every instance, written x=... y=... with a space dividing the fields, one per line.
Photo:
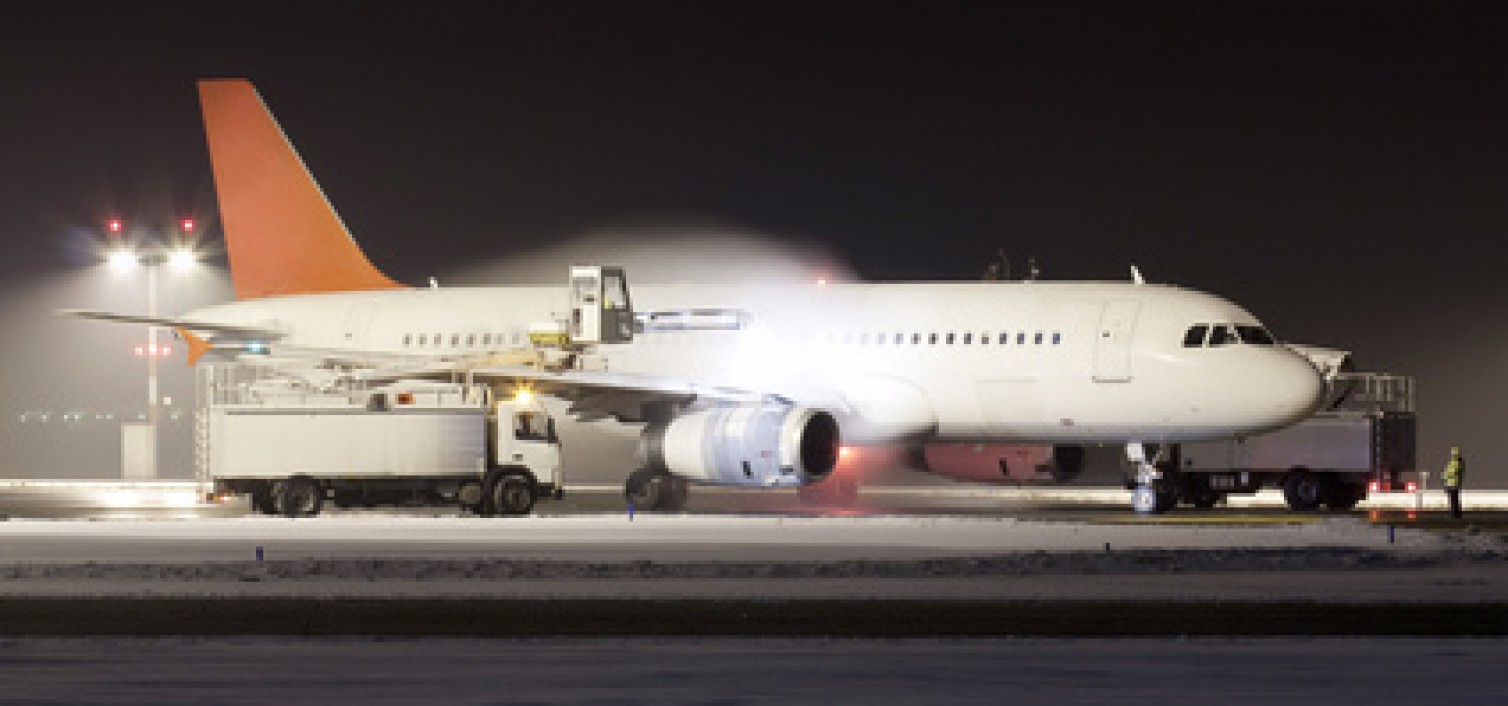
x=1361 y=440
x=292 y=444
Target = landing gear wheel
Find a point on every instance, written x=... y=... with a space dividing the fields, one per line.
x=261 y=500
x=512 y=495
x=1144 y=500
x=299 y=496
x=655 y=491
x=1304 y=490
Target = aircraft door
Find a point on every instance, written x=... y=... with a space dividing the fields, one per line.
x=357 y=321
x=1112 y=348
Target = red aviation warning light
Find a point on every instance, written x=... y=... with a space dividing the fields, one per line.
x=187 y=225
x=114 y=226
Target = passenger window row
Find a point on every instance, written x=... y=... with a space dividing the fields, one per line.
x=456 y=340
x=1211 y=335
x=1003 y=338
x=984 y=338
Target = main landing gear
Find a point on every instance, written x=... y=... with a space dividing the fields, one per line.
x=656 y=491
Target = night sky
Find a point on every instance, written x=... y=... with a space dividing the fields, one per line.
x=1339 y=168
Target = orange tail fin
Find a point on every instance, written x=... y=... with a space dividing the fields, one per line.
x=281 y=233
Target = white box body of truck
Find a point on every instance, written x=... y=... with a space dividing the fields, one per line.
x=438 y=433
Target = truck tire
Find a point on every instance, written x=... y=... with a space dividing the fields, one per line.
x=512 y=494
x=261 y=499
x=299 y=496
x=1304 y=490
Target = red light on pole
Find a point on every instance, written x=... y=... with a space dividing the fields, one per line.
x=187 y=225
x=115 y=226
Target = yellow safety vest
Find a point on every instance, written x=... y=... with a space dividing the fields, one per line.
x=1453 y=472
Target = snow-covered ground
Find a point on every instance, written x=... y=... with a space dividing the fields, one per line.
x=609 y=556
x=1231 y=672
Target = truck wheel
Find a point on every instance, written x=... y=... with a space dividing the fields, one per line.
x=261 y=500
x=1304 y=490
x=299 y=496
x=512 y=495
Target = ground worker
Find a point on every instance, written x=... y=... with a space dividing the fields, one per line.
x=1455 y=470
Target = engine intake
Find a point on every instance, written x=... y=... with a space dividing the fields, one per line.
x=745 y=445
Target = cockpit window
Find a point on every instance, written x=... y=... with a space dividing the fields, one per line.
x=1222 y=336
x=1195 y=336
x=1255 y=335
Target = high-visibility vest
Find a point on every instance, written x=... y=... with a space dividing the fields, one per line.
x=1453 y=472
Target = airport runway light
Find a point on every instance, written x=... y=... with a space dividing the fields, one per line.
x=176 y=251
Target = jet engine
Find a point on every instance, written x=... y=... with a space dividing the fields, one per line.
x=1003 y=463
x=744 y=445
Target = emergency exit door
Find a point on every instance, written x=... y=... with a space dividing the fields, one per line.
x=1112 y=352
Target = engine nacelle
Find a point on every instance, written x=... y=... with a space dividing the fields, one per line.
x=745 y=445
x=1004 y=463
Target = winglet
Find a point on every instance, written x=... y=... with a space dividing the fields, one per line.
x=197 y=346
x=281 y=233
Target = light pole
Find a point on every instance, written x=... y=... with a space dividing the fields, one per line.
x=151 y=257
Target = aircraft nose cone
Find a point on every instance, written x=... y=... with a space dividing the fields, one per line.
x=1297 y=390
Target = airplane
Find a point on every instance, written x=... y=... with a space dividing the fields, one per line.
x=740 y=383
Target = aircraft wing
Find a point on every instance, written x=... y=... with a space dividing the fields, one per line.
x=174 y=323
x=597 y=394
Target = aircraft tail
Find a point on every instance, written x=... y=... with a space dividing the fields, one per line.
x=281 y=233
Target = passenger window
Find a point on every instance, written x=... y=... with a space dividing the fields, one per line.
x=1021 y=338
x=950 y=339
x=1004 y=338
x=471 y=340
x=900 y=338
x=455 y=340
x=968 y=338
x=423 y=339
x=916 y=339
x=932 y=339
x=407 y=339
x=437 y=339
x=1222 y=336
x=1057 y=338
x=1194 y=337
x=1037 y=340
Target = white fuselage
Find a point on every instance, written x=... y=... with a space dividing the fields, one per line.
x=1039 y=362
